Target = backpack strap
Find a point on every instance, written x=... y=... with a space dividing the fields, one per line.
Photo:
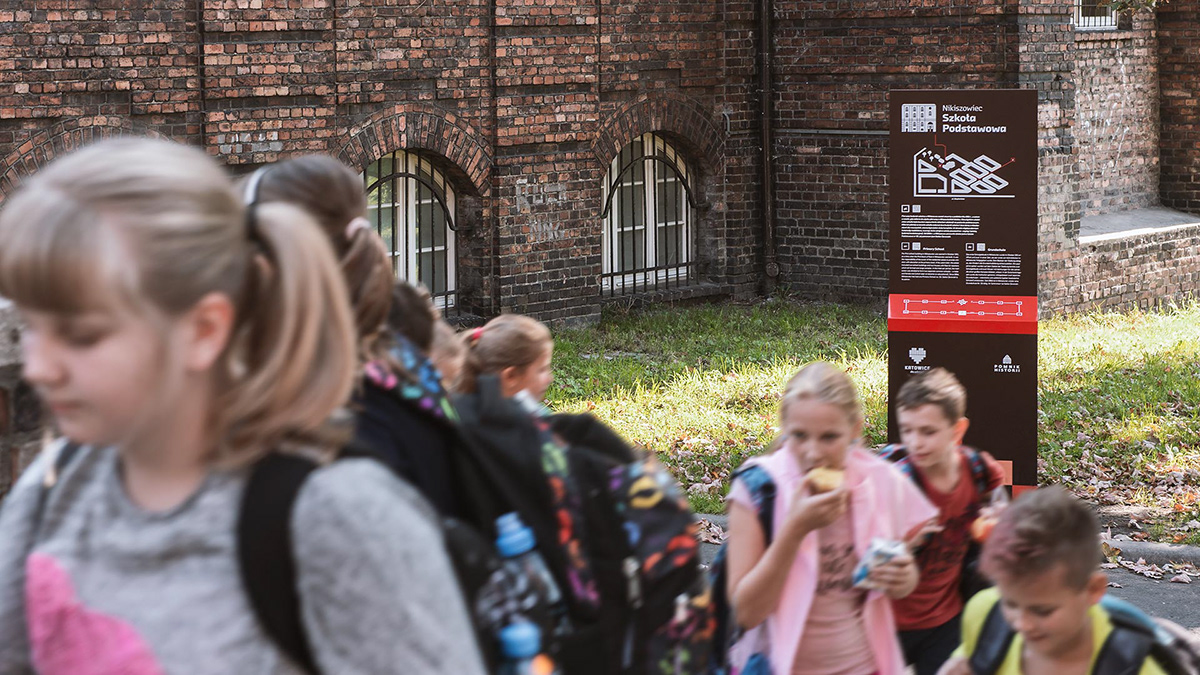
x=897 y=454
x=992 y=643
x=264 y=543
x=1169 y=646
x=979 y=470
x=762 y=491
x=65 y=454
x=1124 y=651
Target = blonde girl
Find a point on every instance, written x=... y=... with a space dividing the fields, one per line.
x=800 y=585
x=179 y=337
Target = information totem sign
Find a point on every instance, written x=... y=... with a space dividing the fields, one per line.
x=963 y=291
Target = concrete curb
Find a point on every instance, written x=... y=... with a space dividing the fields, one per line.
x=1155 y=553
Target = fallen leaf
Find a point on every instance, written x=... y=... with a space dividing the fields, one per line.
x=1181 y=579
x=1111 y=553
x=709 y=532
x=1113 y=584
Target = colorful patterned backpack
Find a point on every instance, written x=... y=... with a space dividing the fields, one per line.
x=645 y=552
x=736 y=651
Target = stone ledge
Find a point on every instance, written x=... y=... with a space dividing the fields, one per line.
x=1110 y=227
x=700 y=291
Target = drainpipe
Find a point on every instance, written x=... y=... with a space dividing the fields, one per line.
x=494 y=174
x=765 y=52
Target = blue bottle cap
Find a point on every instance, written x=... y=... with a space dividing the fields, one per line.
x=521 y=640
x=513 y=538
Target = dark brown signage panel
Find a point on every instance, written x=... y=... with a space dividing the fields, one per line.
x=964 y=192
x=999 y=372
x=963 y=258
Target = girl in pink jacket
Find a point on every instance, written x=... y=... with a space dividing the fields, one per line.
x=800 y=584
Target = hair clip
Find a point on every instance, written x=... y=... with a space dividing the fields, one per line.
x=476 y=334
x=356 y=224
x=250 y=199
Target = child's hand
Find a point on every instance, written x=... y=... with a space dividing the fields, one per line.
x=811 y=512
x=955 y=666
x=895 y=578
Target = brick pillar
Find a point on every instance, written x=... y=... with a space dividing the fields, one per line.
x=1179 y=83
x=1046 y=60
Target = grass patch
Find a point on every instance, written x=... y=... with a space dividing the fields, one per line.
x=1119 y=420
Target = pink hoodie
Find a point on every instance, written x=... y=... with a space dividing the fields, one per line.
x=883 y=503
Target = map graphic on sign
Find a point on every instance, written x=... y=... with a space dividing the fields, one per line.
x=935 y=175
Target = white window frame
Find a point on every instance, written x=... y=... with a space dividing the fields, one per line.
x=404 y=205
x=655 y=176
x=1106 y=21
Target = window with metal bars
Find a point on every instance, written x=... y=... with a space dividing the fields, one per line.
x=649 y=219
x=412 y=207
x=1094 y=14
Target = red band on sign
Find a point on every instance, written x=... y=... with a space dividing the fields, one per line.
x=1000 y=314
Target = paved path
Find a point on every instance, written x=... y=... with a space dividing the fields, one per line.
x=1178 y=602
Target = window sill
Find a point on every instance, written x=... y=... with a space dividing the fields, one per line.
x=1102 y=34
x=696 y=291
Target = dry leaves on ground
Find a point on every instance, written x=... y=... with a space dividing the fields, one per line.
x=709 y=532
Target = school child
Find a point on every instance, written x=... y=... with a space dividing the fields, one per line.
x=832 y=499
x=182 y=341
x=447 y=353
x=614 y=528
x=516 y=349
x=930 y=408
x=1045 y=615
x=402 y=412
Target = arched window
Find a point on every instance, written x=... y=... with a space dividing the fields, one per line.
x=412 y=207
x=649 y=219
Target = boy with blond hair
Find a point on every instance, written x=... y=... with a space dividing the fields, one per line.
x=931 y=411
x=1048 y=614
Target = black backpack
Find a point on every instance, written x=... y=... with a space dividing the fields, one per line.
x=640 y=524
x=1135 y=637
x=613 y=528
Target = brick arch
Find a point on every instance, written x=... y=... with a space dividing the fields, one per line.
x=412 y=126
x=680 y=116
x=46 y=145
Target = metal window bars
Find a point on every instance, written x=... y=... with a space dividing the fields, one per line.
x=1094 y=14
x=412 y=208
x=649 y=220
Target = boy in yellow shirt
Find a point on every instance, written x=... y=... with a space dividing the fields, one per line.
x=1045 y=616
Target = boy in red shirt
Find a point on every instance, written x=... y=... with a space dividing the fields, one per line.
x=931 y=411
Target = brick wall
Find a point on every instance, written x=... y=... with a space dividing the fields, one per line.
x=20 y=412
x=1116 y=114
x=1179 y=82
x=836 y=62
x=1139 y=271
x=1047 y=35
x=523 y=108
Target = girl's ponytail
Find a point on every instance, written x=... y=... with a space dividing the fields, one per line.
x=332 y=194
x=297 y=337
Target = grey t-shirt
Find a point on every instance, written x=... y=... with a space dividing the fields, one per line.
x=161 y=592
